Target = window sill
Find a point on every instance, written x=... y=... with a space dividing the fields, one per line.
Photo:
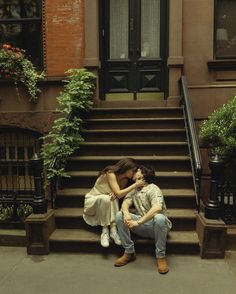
x=54 y=80
x=222 y=64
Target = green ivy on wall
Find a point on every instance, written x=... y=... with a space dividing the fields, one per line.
x=65 y=136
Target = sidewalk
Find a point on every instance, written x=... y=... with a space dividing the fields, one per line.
x=95 y=273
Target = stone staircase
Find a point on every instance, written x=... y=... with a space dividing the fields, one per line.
x=152 y=135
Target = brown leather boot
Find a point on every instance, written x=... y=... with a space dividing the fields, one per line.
x=125 y=258
x=162 y=265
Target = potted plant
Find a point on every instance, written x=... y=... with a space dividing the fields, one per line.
x=218 y=133
x=16 y=66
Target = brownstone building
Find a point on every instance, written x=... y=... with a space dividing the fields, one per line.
x=138 y=50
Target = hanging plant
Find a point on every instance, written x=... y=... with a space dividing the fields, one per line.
x=65 y=136
x=16 y=66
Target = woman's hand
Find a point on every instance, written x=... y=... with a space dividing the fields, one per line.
x=112 y=196
x=140 y=183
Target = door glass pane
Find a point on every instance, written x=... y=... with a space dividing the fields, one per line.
x=119 y=11
x=150 y=28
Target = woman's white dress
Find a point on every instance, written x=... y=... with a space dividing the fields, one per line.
x=99 y=209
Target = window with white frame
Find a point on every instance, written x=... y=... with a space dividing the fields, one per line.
x=21 y=26
x=225 y=29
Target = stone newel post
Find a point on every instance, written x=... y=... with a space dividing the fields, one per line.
x=39 y=202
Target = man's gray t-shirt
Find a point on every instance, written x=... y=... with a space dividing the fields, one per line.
x=143 y=199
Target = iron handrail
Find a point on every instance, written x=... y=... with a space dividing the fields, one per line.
x=192 y=136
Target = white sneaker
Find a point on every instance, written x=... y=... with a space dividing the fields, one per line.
x=105 y=239
x=115 y=237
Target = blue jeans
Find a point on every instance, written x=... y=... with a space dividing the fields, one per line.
x=157 y=228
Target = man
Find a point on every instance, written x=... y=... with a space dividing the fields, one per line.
x=150 y=220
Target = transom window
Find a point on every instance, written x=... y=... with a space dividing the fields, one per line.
x=225 y=28
x=21 y=26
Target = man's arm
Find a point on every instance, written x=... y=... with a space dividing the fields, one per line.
x=125 y=209
x=156 y=208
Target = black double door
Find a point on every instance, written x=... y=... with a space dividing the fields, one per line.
x=133 y=47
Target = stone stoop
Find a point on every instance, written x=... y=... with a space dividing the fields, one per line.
x=152 y=135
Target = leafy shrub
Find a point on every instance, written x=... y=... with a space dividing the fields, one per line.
x=219 y=131
x=6 y=212
x=24 y=210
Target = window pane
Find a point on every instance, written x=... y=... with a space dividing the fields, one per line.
x=20 y=153
x=15 y=9
x=2 y=152
x=225 y=35
x=119 y=10
x=26 y=36
x=150 y=28
x=12 y=152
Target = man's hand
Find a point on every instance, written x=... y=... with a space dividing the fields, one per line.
x=132 y=223
x=127 y=217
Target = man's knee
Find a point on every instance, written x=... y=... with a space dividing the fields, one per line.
x=119 y=217
x=160 y=220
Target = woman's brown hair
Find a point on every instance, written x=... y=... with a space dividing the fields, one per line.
x=121 y=166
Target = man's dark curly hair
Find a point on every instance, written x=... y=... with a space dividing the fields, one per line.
x=148 y=173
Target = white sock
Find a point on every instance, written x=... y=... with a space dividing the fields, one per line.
x=113 y=229
x=105 y=230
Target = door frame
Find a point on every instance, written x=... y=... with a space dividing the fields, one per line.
x=164 y=44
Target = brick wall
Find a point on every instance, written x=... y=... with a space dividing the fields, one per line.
x=64 y=34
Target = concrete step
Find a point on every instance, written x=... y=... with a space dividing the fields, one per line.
x=159 y=102
x=231 y=237
x=75 y=240
x=135 y=123
x=165 y=179
x=132 y=135
x=178 y=198
x=127 y=112
x=133 y=149
x=13 y=237
x=162 y=163
x=183 y=219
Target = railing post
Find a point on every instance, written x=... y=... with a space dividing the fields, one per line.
x=213 y=207
x=234 y=188
x=39 y=202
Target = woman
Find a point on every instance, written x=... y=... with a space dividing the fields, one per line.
x=101 y=203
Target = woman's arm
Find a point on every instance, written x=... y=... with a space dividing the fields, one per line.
x=111 y=177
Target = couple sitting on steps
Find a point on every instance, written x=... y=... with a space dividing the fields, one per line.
x=136 y=184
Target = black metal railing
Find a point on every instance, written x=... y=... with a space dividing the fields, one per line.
x=221 y=202
x=192 y=137
x=17 y=177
